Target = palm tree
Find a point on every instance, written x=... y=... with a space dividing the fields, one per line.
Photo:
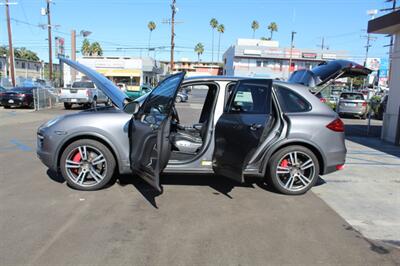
x=272 y=27
x=152 y=26
x=255 y=25
x=85 y=47
x=199 y=49
x=214 y=25
x=95 y=49
x=221 y=30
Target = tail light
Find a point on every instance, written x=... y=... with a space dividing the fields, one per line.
x=336 y=125
x=20 y=95
x=87 y=93
x=322 y=100
x=364 y=104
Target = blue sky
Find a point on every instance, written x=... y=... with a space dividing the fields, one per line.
x=123 y=24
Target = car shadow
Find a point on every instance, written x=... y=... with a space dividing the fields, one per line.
x=57 y=177
x=362 y=130
x=220 y=185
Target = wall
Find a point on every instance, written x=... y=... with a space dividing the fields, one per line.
x=392 y=111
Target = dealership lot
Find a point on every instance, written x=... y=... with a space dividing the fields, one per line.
x=198 y=219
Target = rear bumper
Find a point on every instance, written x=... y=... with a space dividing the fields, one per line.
x=351 y=111
x=75 y=100
x=16 y=102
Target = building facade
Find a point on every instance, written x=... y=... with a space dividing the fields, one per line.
x=259 y=58
x=131 y=71
x=195 y=68
x=390 y=24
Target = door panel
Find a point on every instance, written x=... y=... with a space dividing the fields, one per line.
x=150 y=130
x=240 y=128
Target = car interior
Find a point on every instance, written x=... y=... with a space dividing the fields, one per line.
x=188 y=137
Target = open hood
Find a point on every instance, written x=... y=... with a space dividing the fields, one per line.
x=327 y=71
x=113 y=92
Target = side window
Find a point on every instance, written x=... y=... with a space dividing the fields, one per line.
x=291 y=102
x=251 y=99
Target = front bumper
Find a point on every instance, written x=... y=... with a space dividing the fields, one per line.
x=45 y=150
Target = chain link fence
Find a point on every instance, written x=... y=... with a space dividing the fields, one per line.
x=45 y=98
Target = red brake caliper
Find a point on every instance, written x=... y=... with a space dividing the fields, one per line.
x=284 y=163
x=77 y=158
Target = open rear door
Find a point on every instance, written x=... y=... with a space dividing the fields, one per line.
x=150 y=130
x=242 y=127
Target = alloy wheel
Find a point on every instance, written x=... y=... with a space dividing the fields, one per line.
x=295 y=171
x=86 y=166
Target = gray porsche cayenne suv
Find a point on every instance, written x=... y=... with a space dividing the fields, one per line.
x=273 y=130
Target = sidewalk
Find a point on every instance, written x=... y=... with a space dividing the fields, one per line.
x=367 y=192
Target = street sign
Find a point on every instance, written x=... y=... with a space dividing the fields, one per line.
x=60 y=46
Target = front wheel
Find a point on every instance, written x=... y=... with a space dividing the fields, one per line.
x=178 y=99
x=87 y=165
x=293 y=170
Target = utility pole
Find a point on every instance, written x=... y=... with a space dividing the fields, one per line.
x=322 y=46
x=367 y=46
x=291 y=51
x=49 y=37
x=10 y=45
x=73 y=54
x=173 y=7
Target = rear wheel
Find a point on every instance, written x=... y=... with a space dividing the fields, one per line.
x=87 y=165
x=67 y=106
x=178 y=99
x=293 y=170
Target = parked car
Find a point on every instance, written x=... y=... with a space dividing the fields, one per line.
x=276 y=131
x=18 y=97
x=382 y=107
x=2 y=91
x=143 y=89
x=352 y=103
x=181 y=97
x=82 y=93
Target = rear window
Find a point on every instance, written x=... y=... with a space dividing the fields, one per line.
x=83 y=84
x=23 y=89
x=291 y=102
x=352 y=96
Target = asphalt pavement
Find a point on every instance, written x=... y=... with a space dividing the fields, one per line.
x=197 y=220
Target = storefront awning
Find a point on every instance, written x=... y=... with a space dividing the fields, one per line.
x=120 y=72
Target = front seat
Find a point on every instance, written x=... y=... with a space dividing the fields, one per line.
x=190 y=143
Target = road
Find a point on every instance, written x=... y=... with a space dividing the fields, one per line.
x=198 y=220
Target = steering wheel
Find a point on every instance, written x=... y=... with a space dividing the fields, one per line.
x=175 y=115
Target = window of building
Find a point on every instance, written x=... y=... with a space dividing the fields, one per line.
x=23 y=64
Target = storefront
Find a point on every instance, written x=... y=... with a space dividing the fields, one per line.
x=132 y=72
x=390 y=24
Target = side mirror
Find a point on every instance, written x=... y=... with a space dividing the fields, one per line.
x=131 y=108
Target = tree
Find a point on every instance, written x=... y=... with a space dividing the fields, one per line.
x=214 y=25
x=95 y=49
x=272 y=27
x=255 y=25
x=152 y=26
x=20 y=53
x=199 y=49
x=221 y=30
x=26 y=54
x=86 y=49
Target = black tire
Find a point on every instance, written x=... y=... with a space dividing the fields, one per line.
x=67 y=106
x=273 y=164
x=7 y=107
x=109 y=163
x=178 y=99
x=364 y=116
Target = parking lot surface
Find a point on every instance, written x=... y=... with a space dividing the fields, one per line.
x=197 y=220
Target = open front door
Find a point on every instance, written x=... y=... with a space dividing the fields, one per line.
x=150 y=130
x=243 y=126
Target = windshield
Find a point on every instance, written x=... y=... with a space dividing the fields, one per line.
x=351 y=96
x=83 y=84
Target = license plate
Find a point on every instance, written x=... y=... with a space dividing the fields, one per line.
x=74 y=100
x=10 y=101
x=351 y=104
